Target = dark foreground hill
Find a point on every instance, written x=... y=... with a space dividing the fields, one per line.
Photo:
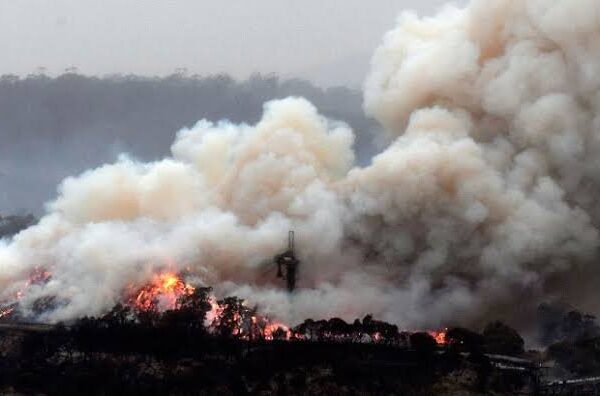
x=186 y=351
x=63 y=362
x=131 y=351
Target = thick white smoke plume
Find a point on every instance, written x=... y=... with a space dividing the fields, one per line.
x=486 y=191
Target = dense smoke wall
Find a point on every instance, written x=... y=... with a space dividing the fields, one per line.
x=51 y=128
x=482 y=199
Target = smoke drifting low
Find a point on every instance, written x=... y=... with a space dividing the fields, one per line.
x=485 y=192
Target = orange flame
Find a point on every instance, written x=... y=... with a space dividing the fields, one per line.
x=37 y=276
x=161 y=294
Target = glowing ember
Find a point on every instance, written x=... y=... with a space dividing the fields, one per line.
x=440 y=336
x=161 y=294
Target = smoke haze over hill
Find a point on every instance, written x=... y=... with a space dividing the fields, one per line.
x=55 y=127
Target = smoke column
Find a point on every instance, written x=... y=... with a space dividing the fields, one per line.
x=485 y=193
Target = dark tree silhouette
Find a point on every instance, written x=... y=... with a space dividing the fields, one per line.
x=120 y=316
x=190 y=312
x=502 y=339
x=423 y=342
x=464 y=340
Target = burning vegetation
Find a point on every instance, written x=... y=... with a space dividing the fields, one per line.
x=168 y=292
x=168 y=295
x=161 y=294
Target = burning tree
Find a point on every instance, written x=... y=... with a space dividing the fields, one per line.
x=234 y=318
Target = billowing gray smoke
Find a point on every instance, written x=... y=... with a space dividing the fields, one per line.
x=485 y=193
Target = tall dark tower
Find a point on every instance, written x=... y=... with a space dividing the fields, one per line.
x=287 y=264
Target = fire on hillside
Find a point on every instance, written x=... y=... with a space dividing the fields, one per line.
x=167 y=291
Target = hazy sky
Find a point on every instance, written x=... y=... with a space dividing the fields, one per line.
x=308 y=38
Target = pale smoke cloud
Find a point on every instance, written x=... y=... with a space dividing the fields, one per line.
x=486 y=189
